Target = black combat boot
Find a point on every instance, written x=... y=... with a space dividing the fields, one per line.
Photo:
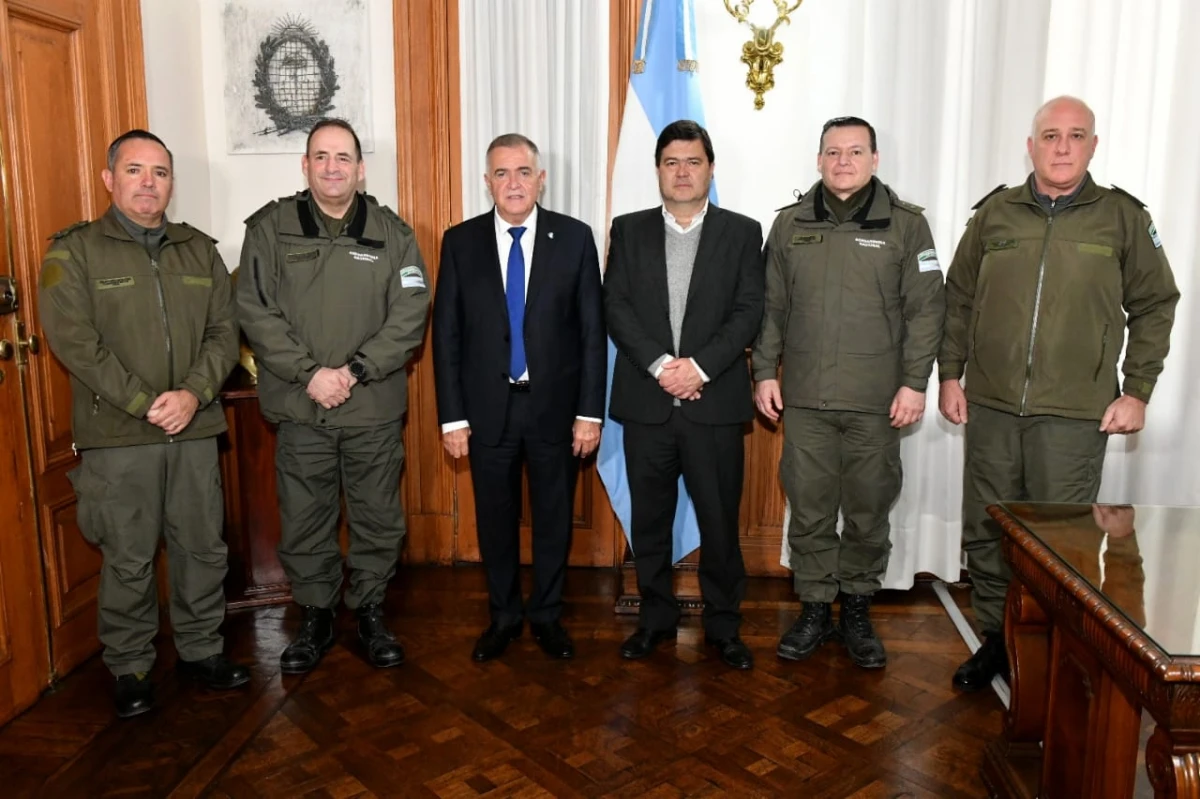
x=314 y=640
x=383 y=650
x=989 y=660
x=813 y=628
x=854 y=626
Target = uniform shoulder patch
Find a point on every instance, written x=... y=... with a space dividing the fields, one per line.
x=198 y=232
x=1120 y=190
x=985 y=197
x=257 y=216
x=910 y=207
x=69 y=229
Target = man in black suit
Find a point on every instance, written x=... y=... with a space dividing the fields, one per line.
x=519 y=359
x=683 y=296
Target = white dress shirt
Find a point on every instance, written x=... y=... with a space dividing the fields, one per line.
x=504 y=242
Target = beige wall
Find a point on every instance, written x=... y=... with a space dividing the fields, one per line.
x=185 y=79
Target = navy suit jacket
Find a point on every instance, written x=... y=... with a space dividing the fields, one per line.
x=565 y=344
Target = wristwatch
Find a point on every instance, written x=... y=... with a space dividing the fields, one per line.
x=359 y=370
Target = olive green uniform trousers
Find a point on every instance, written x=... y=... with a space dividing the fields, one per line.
x=313 y=466
x=839 y=460
x=1019 y=458
x=128 y=498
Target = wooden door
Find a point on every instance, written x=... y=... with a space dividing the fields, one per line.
x=72 y=81
x=24 y=648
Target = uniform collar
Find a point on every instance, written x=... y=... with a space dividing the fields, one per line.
x=111 y=227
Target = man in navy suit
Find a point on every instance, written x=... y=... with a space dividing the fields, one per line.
x=519 y=358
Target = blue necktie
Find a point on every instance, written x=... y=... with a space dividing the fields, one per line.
x=516 y=304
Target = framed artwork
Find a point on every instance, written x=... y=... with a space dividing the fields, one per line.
x=289 y=63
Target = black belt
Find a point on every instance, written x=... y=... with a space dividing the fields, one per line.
x=519 y=387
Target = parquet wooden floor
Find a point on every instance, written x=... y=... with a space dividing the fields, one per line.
x=677 y=724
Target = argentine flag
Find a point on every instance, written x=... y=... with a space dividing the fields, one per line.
x=663 y=87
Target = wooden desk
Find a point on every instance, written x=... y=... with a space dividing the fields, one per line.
x=1090 y=653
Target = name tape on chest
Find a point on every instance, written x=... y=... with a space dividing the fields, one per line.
x=927 y=261
x=411 y=277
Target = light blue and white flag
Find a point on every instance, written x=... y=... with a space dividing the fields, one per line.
x=663 y=87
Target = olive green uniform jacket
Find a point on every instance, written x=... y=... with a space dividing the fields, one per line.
x=129 y=327
x=854 y=309
x=1038 y=303
x=306 y=301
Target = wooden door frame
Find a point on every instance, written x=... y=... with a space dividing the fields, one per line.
x=121 y=107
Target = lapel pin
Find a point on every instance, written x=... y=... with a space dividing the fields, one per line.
x=550 y=234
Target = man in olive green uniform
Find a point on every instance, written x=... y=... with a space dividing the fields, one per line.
x=1044 y=283
x=332 y=295
x=854 y=313
x=140 y=312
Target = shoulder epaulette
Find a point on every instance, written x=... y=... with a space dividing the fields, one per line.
x=254 y=218
x=198 y=232
x=68 y=229
x=391 y=215
x=999 y=188
x=799 y=195
x=910 y=207
x=1120 y=190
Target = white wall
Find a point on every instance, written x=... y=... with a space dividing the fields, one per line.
x=185 y=80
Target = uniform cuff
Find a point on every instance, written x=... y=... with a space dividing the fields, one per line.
x=950 y=371
x=1138 y=387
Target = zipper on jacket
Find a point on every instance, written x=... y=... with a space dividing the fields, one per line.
x=1037 y=305
x=1103 y=347
x=162 y=305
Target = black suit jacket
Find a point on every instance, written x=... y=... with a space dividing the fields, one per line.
x=722 y=318
x=565 y=345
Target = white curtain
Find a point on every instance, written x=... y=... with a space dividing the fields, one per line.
x=540 y=68
x=951 y=86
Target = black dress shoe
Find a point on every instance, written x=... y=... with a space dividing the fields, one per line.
x=642 y=642
x=134 y=695
x=383 y=650
x=813 y=628
x=314 y=640
x=494 y=641
x=215 y=671
x=989 y=660
x=734 y=651
x=553 y=639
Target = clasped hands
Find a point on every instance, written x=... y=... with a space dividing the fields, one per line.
x=329 y=388
x=680 y=379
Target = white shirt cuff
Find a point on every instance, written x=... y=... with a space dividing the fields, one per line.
x=449 y=427
x=699 y=371
x=589 y=419
x=657 y=367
